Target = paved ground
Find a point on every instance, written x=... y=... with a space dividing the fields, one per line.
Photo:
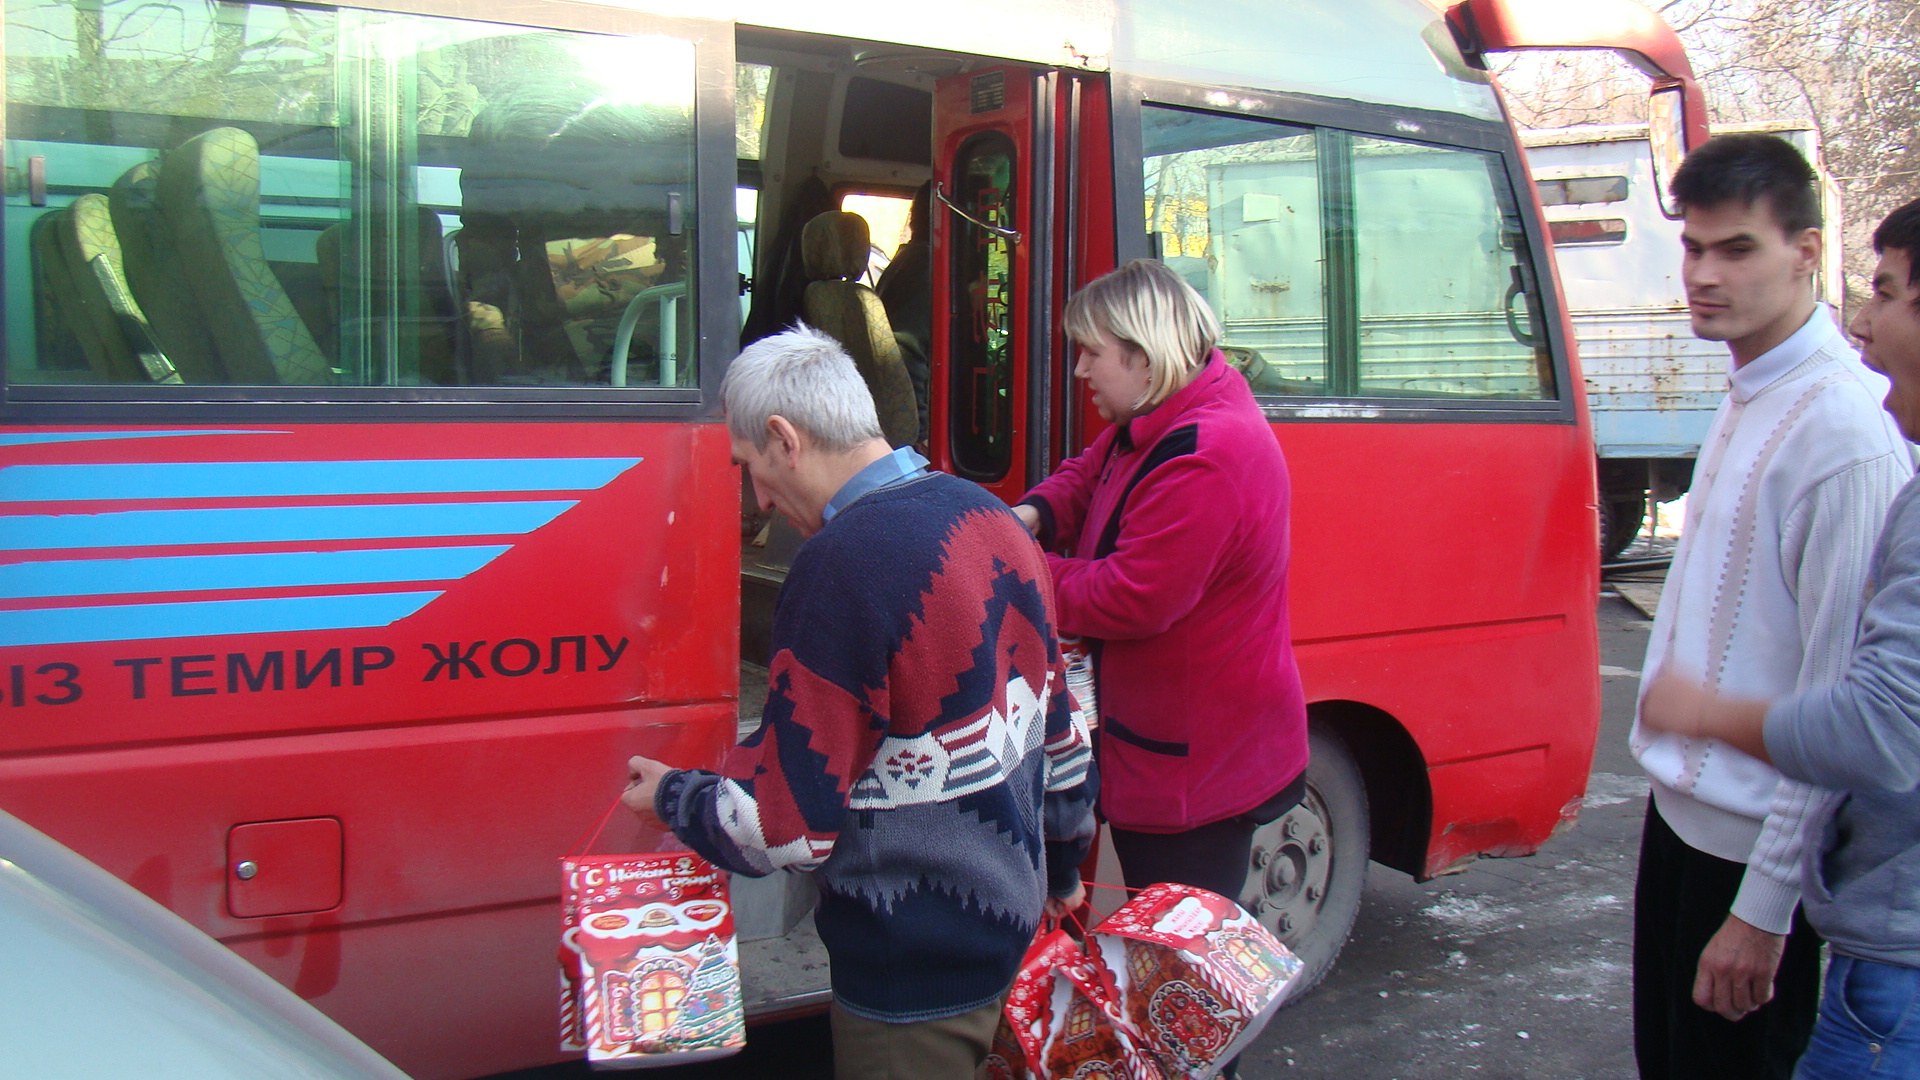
x=1516 y=969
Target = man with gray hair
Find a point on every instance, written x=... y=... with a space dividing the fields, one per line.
x=918 y=750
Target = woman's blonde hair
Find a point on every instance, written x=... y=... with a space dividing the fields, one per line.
x=1145 y=306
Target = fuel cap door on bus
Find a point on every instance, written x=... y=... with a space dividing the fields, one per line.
x=284 y=867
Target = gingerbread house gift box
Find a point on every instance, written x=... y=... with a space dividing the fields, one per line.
x=650 y=972
x=1006 y=1057
x=1191 y=974
x=1022 y=1022
x=1059 y=1025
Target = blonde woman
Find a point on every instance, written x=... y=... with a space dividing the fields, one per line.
x=1170 y=534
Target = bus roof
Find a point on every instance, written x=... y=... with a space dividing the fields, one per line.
x=1387 y=52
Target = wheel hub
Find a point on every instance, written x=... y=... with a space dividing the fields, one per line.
x=1292 y=859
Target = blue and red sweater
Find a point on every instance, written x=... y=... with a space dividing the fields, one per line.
x=917 y=751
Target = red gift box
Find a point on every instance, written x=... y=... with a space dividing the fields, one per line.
x=1006 y=1058
x=1058 y=1023
x=1085 y=1038
x=1191 y=975
x=1018 y=1038
x=650 y=973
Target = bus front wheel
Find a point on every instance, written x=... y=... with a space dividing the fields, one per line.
x=1310 y=865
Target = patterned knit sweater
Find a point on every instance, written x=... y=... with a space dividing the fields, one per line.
x=917 y=751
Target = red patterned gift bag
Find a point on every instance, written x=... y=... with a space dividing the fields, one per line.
x=1191 y=975
x=1059 y=1024
x=1018 y=1037
x=1006 y=1058
x=650 y=973
x=1086 y=1039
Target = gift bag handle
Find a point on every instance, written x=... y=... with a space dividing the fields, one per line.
x=587 y=840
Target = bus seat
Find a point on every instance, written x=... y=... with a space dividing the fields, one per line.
x=569 y=209
x=157 y=276
x=326 y=254
x=64 y=327
x=428 y=333
x=209 y=191
x=539 y=293
x=834 y=247
x=905 y=289
x=123 y=345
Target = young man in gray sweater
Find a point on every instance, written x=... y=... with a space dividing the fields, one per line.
x=1860 y=736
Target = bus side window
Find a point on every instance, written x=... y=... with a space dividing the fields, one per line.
x=294 y=174
x=1344 y=265
x=1234 y=205
x=1447 y=302
x=886 y=217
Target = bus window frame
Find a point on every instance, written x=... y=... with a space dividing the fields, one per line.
x=1131 y=93
x=716 y=278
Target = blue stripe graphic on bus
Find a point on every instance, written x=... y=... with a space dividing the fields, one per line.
x=43 y=438
x=191 y=573
x=132 y=622
x=238 y=479
x=275 y=524
x=481 y=506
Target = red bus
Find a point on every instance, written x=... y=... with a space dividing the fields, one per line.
x=365 y=508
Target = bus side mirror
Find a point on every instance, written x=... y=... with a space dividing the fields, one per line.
x=1667 y=136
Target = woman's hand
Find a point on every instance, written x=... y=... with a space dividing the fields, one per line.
x=1029 y=517
x=1675 y=705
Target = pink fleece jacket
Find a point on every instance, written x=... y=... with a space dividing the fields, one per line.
x=1177 y=528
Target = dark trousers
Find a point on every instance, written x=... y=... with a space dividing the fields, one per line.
x=1680 y=900
x=949 y=1049
x=1213 y=857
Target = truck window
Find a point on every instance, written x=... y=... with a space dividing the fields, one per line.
x=1588 y=231
x=1582 y=189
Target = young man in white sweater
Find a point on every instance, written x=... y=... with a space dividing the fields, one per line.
x=1762 y=601
x=1861 y=734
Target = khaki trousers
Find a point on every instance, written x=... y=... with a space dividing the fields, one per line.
x=949 y=1049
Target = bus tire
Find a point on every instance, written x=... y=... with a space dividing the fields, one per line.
x=1310 y=865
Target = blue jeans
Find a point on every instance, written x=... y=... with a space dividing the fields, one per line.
x=1869 y=1023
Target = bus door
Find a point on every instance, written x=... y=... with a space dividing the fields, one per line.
x=993 y=154
x=1083 y=234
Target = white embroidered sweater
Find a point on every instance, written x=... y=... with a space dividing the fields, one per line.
x=1765 y=591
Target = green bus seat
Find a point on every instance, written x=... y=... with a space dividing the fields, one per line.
x=157 y=276
x=209 y=192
